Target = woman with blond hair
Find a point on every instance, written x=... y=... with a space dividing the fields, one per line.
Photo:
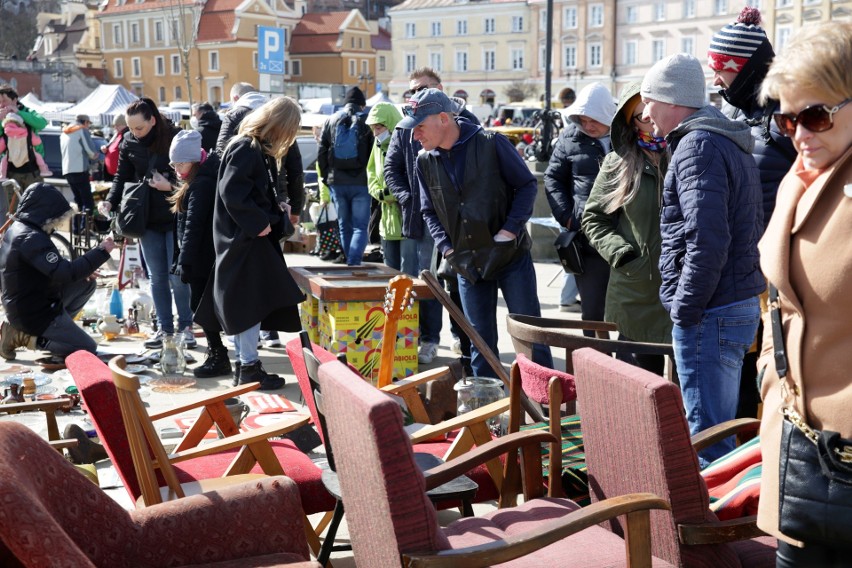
x=251 y=286
x=805 y=363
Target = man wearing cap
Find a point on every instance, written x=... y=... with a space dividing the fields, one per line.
x=77 y=148
x=711 y=221
x=476 y=195
x=568 y=180
x=347 y=177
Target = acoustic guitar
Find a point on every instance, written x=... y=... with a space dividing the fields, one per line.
x=397 y=299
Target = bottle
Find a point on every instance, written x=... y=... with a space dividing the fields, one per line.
x=116 y=306
x=172 y=360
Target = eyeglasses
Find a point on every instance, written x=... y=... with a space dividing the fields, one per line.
x=638 y=118
x=816 y=118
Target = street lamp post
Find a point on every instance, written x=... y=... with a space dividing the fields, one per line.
x=365 y=79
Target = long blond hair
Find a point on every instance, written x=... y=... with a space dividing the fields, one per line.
x=273 y=126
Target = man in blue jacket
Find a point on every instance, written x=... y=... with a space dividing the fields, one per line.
x=711 y=221
x=476 y=195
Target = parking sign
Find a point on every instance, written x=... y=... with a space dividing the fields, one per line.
x=270 y=50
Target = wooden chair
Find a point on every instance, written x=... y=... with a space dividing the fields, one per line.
x=636 y=439
x=392 y=523
x=49 y=408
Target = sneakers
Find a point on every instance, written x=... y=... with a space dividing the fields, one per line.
x=457 y=346
x=573 y=308
x=189 y=340
x=216 y=364
x=268 y=339
x=155 y=342
x=11 y=339
x=427 y=352
x=254 y=373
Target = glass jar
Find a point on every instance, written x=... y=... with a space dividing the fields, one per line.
x=476 y=392
x=172 y=359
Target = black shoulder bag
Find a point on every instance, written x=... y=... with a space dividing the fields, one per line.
x=132 y=218
x=287 y=227
x=815 y=476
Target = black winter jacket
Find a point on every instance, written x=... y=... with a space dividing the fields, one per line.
x=230 y=125
x=32 y=271
x=135 y=162
x=209 y=125
x=571 y=173
x=195 y=223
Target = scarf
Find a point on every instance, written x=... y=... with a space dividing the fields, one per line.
x=650 y=142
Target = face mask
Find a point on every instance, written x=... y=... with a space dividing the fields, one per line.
x=380 y=139
x=193 y=122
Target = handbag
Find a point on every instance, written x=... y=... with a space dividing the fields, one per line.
x=287 y=229
x=132 y=218
x=569 y=248
x=815 y=469
x=328 y=234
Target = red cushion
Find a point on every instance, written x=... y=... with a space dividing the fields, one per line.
x=535 y=378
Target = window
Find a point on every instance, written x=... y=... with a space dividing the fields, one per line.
x=158 y=31
x=488 y=26
x=360 y=43
x=365 y=67
x=782 y=36
x=630 y=50
x=214 y=61
x=570 y=56
x=353 y=67
x=410 y=62
x=596 y=15
x=489 y=59
x=352 y=42
x=134 y=32
x=383 y=63
x=721 y=7
x=178 y=93
x=569 y=18
x=162 y=94
x=461 y=60
x=118 y=68
x=783 y=4
x=542 y=20
x=517 y=24
x=753 y=4
x=410 y=29
x=136 y=66
x=660 y=11
x=436 y=60
x=658 y=49
x=688 y=8
x=296 y=67
x=687 y=45
x=595 y=54
x=542 y=55
x=517 y=56
x=116 y=35
x=436 y=29
x=175 y=29
x=159 y=65
x=632 y=14
x=175 y=64
x=461 y=27
x=254 y=60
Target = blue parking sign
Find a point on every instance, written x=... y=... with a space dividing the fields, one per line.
x=270 y=50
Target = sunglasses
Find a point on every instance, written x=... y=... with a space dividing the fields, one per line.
x=409 y=110
x=423 y=88
x=816 y=118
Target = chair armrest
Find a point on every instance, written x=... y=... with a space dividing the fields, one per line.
x=519 y=545
x=719 y=532
x=242 y=439
x=416 y=380
x=230 y=393
x=719 y=432
x=49 y=407
x=481 y=414
x=62 y=444
x=459 y=465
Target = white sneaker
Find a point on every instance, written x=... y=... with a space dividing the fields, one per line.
x=156 y=341
x=427 y=353
x=189 y=340
x=268 y=339
x=457 y=347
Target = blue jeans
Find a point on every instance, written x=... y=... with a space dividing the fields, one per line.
x=568 y=296
x=416 y=256
x=158 y=249
x=394 y=251
x=245 y=345
x=518 y=284
x=709 y=358
x=353 y=216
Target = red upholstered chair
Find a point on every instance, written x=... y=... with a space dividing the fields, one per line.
x=392 y=523
x=636 y=439
x=50 y=516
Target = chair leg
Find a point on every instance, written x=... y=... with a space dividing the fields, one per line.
x=323 y=522
x=328 y=542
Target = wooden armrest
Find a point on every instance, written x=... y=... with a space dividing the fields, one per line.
x=720 y=531
x=416 y=380
x=45 y=405
x=230 y=393
x=242 y=439
x=518 y=545
x=457 y=466
x=719 y=432
x=481 y=414
x=62 y=444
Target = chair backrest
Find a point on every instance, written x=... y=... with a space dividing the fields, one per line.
x=387 y=510
x=142 y=437
x=312 y=364
x=535 y=380
x=636 y=440
x=94 y=381
x=51 y=514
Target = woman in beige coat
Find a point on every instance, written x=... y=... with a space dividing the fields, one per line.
x=807 y=254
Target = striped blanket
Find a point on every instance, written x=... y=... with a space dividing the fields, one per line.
x=574 y=476
x=733 y=481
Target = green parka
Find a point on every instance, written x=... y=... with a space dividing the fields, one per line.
x=390 y=228
x=633 y=295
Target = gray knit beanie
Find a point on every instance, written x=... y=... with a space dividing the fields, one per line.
x=677 y=79
x=186 y=147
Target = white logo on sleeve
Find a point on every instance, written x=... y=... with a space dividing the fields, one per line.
x=52 y=257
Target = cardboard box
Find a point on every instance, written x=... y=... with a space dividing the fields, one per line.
x=301 y=243
x=309 y=316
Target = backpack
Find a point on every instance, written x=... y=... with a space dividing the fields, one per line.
x=347 y=140
x=111 y=154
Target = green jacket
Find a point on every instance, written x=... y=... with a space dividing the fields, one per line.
x=390 y=228
x=633 y=295
x=34 y=120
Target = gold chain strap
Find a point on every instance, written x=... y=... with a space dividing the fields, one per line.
x=844 y=454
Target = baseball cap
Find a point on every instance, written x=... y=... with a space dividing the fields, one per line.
x=425 y=104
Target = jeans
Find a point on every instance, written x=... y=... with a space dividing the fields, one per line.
x=416 y=256
x=569 y=292
x=158 y=249
x=82 y=190
x=245 y=345
x=395 y=251
x=353 y=217
x=517 y=282
x=709 y=358
x=63 y=336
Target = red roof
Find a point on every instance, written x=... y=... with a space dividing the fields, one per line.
x=216 y=26
x=320 y=23
x=131 y=6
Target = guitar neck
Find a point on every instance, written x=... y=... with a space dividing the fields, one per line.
x=387 y=353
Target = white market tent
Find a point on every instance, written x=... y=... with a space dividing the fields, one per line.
x=31 y=101
x=103 y=104
x=379 y=97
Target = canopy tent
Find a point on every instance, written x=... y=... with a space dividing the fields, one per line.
x=103 y=104
x=31 y=101
x=379 y=97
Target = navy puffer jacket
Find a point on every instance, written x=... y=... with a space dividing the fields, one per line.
x=712 y=217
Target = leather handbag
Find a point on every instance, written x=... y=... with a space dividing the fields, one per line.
x=569 y=248
x=132 y=218
x=815 y=475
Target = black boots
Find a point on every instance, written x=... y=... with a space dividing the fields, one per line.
x=255 y=373
x=215 y=365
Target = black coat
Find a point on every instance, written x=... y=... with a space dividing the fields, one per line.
x=251 y=282
x=33 y=272
x=209 y=125
x=195 y=223
x=230 y=125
